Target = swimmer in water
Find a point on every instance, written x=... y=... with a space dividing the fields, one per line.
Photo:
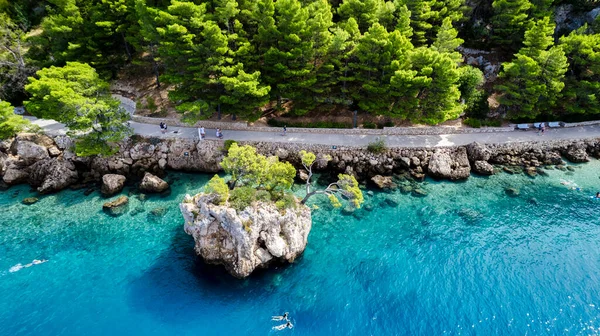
x=283 y=326
x=598 y=194
x=280 y=318
x=19 y=266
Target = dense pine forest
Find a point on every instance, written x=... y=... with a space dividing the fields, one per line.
x=406 y=59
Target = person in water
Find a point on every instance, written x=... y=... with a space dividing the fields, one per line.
x=598 y=194
x=281 y=317
x=19 y=266
x=288 y=324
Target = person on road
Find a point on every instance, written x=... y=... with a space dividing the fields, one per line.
x=202 y=133
x=219 y=133
x=284 y=130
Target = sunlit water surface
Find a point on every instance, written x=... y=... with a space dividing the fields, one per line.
x=468 y=259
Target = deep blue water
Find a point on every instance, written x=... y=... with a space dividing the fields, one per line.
x=465 y=260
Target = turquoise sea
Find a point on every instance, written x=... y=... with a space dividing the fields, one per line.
x=468 y=259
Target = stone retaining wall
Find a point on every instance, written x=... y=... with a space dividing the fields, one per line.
x=51 y=165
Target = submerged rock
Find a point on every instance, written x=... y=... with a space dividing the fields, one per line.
x=153 y=184
x=245 y=240
x=29 y=200
x=116 y=207
x=112 y=184
x=483 y=168
x=383 y=182
x=418 y=192
x=513 y=192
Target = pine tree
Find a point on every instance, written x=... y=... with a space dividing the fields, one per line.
x=582 y=84
x=76 y=96
x=532 y=83
x=447 y=40
x=374 y=54
x=425 y=87
x=509 y=23
x=14 y=66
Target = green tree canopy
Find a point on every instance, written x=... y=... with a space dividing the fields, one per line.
x=10 y=123
x=76 y=96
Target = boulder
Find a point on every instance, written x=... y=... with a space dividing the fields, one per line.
x=38 y=139
x=478 y=152
x=54 y=151
x=383 y=182
x=29 y=152
x=116 y=207
x=153 y=184
x=248 y=239
x=483 y=168
x=112 y=184
x=14 y=173
x=142 y=150
x=52 y=175
x=577 y=153
x=443 y=165
x=29 y=200
x=185 y=154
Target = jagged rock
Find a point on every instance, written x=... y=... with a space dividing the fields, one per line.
x=418 y=192
x=112 y=184
x=142 y=151
x=245 y=240
x=281 y=153
x=162 y=163
x=577 y=153
x=52 y=174
x=383 y=182
x=511 y=170
x=29 y=152
x=29 y=200
x=204 y=156
x=514 y=192
x=483 y=168
x=64 y=142
x=14 y=173
x=404 y=162
x=153 y=184
x=38 y=139
x=302 y=174
x=478 y=152
x=54 y=151
x=455 y=167
x=116 y=207
x=531 y=171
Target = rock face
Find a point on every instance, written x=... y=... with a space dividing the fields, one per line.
x=112 y=184
x=117 y=207
x=577 y=153
x=383 y=182
x=52 y=174
x=446 y=166
x=483 y=168
x=245 y=240
x=153 y=184
x=30 y=152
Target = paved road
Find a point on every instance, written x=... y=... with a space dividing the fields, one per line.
x=53 y=127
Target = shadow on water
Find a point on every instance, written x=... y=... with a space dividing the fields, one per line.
x=179 y=281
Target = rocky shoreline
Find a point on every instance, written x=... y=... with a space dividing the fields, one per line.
x=49 y=164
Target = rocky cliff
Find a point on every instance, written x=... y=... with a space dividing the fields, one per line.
x=248 y=239
x=49 y=164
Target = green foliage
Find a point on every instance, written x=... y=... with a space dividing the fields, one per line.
x=287 y=201
x=10 y=123
x=151 y=104
x=14 y=66
x=477 y=123
x=509 y=22
x=217 y=186
x=228 y=144
x=377 y=146
x=350 y=190
x=307 y=158
x=469 y=85
x=279 y=176
x=242 y=197
x=533 y=81
x=76 y=96
x=263 y=196
x=335 y=202
x=369 y=124
x=244 y=164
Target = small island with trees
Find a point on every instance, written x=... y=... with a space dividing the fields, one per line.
x=253 y=219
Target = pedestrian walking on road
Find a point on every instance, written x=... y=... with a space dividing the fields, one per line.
x=219 y=133
x=201 y=133
x=284 y=130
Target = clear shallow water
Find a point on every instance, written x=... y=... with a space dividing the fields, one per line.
x=467 y=259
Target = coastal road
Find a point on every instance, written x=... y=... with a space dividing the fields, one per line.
x=582 y=132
